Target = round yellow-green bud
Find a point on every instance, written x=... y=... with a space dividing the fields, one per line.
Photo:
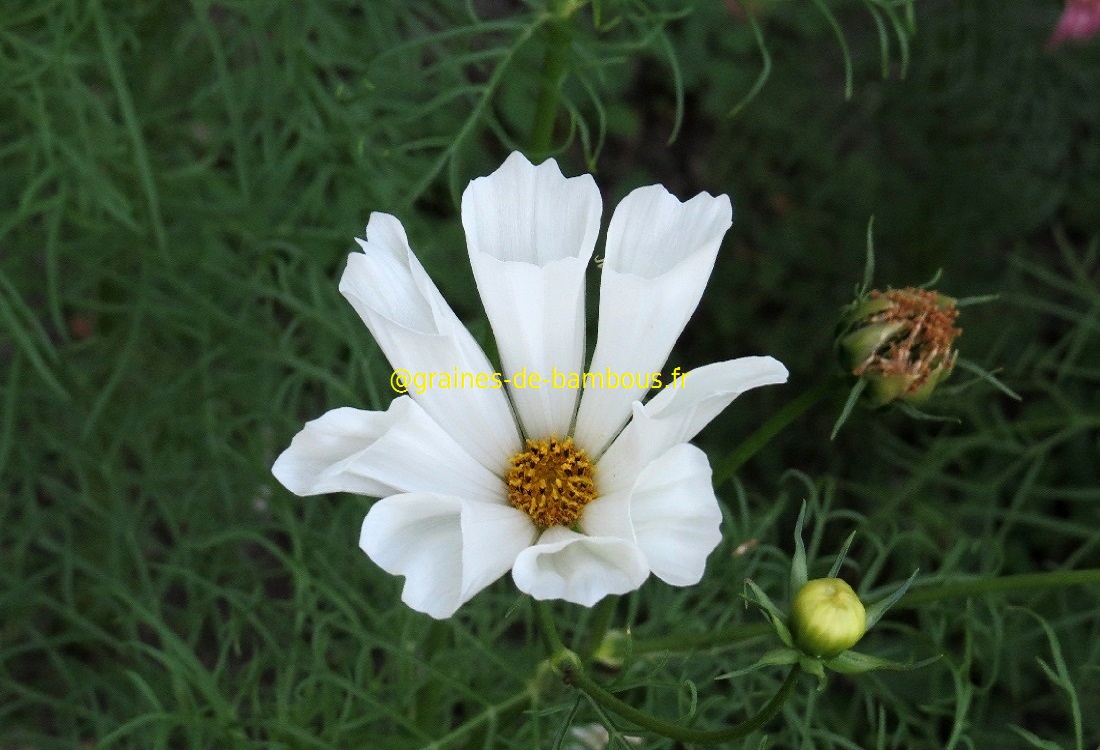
x=827 y=617
x=611 y=653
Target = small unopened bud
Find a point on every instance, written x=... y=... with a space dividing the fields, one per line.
x=612 y=650
x=900 y=342
x=827 y=617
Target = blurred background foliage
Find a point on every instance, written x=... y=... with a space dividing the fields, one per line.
x=180 y=186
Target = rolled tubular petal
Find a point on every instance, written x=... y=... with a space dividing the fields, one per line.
x=447 y=548
x=419 y=333
x=531 y=233
x=440 y=458
x=578 y=568
x=382 y=453
x=660 y=253
x=677 y=414
x=670 y=513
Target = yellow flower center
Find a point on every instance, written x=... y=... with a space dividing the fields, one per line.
x=551 y=481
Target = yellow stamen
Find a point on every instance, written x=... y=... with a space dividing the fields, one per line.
x=551 y=481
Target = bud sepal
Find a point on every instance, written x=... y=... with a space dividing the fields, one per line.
x=826 y=619
x=854 y=662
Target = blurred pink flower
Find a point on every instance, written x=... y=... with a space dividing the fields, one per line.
x=1080 y=20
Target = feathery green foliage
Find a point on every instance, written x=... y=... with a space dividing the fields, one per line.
x=181 y=183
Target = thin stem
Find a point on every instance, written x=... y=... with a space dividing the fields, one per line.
x=553 y=73
x=493 y=714
x=549 y=630
x=600 y=622
x=751 y=445
x=1020 y=582
x=697 y=641
x=674 y=731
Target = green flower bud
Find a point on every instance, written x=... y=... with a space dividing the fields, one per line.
x=827 y=617
x=610 y=654
x=900 y=342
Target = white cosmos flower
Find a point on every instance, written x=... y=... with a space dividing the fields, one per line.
x=579 y=494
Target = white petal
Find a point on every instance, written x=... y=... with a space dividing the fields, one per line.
x=531 y=232
x=609 y=516
x=382 y=453
x=671 y=513
x=420 y=333
x=678 y=413
x=447 y=548
x=660 y=253
x=578 y=568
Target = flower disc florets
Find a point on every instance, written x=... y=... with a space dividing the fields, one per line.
x=901 y=341
x=551 y=482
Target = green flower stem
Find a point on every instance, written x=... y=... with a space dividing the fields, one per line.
x=549 y=630
x=501 y=712
x=553 y=73
x=698 y=641
x=1020 y=582
x=763 y=435
x=570 y=668
x=599 y=623
x=572 y=674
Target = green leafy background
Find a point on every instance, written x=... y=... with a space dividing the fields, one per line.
x=179 y=186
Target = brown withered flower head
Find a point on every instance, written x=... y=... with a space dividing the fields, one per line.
x=900 y=342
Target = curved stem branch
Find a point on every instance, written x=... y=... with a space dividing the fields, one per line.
x=494 y=714
x=697 y=641
x=1020 y=582
x=674 y=731
x=549 y=630
x=567 y=664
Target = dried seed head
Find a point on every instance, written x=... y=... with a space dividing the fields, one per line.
x=900 y=341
